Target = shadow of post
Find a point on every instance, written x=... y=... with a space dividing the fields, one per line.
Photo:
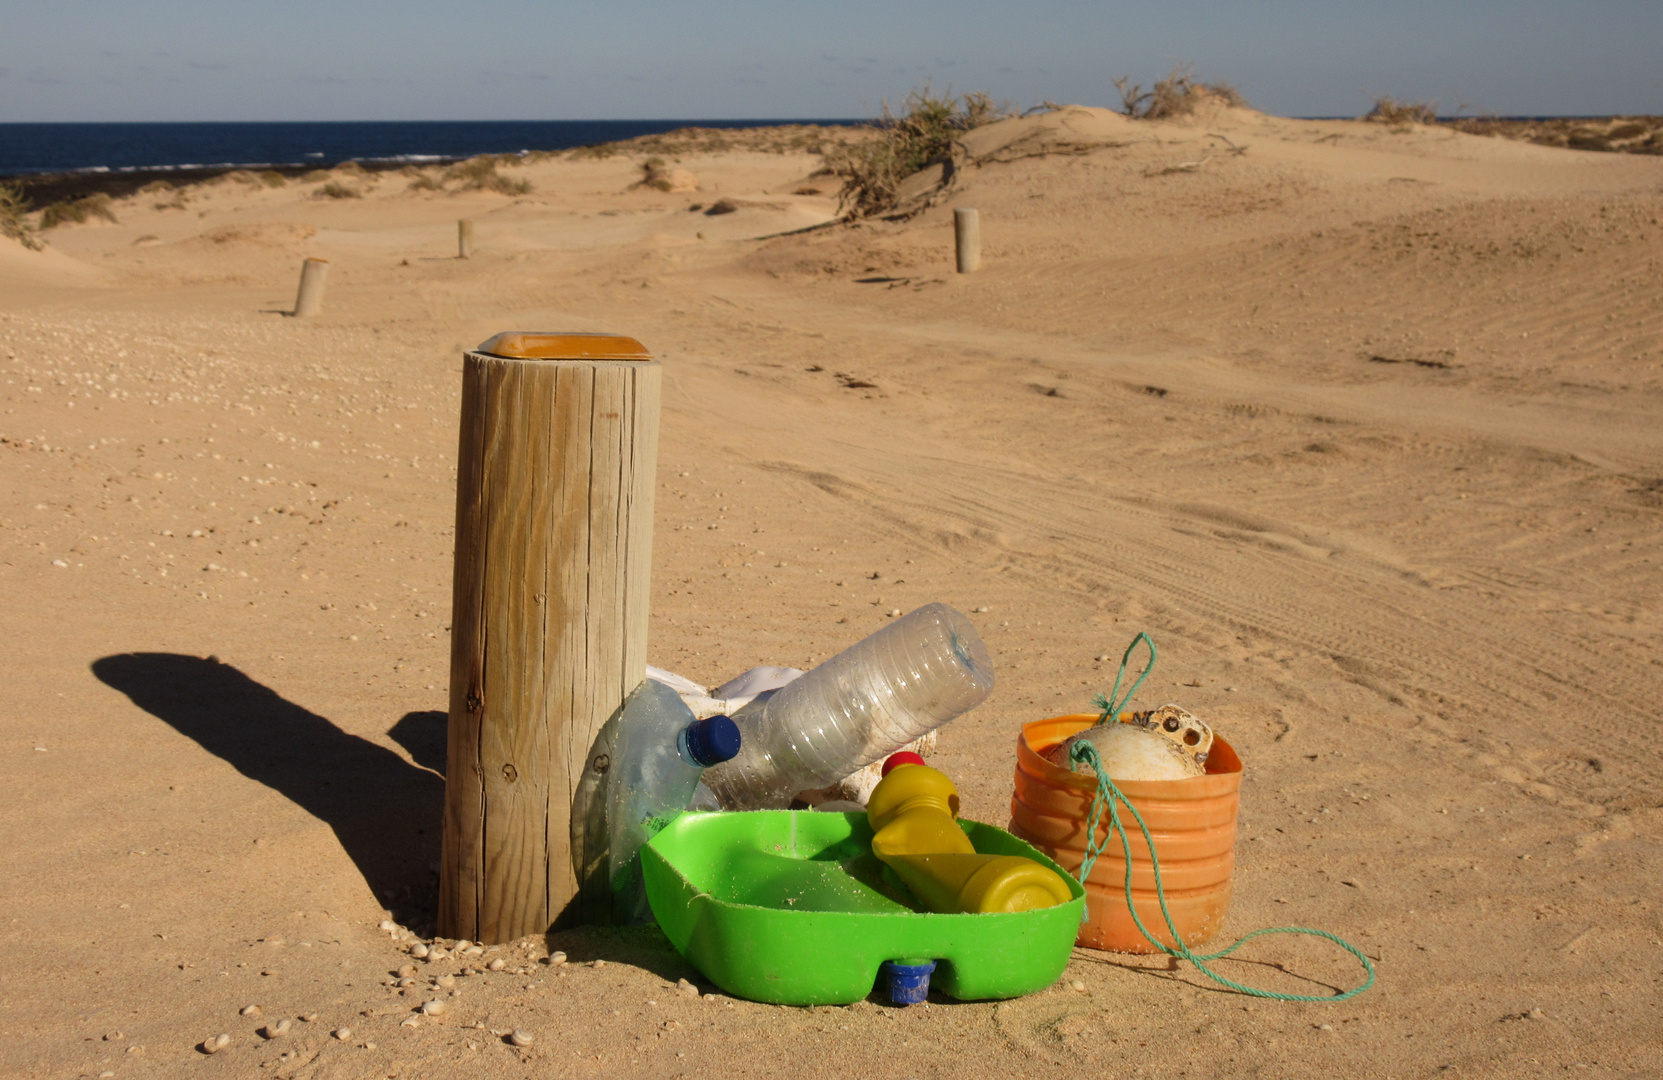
x=385 y=811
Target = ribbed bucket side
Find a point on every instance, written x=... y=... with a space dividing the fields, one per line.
x=1192 y=822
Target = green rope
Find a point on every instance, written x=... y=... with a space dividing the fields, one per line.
x=1109 y=705
x=1109 y=796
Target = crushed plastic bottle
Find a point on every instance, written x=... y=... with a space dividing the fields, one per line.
x=909 y=678
x=661 y=753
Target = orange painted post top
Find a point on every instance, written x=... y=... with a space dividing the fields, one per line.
x=538 y=345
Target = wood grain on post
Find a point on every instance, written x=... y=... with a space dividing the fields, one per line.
x=967 y=239
x=554 y=507
x=464 y=238
x=309 y=300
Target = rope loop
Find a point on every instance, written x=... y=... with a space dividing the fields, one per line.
x=1109 y=798
x=1112 y=707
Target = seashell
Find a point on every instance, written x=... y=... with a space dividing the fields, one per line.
x=556 y=959
x=497 y=964
x=406 y=981
x=446 y=981
x=251 y=1010
x=419 y=951
x=412 y=1021
x=1130 y=752
x=308 y=1017
x=276 y=1030
x=342 y=1033
x=437 y=953
x=369 y=1046
x=387 y=924
x=687 y=988
x=600 y=964
x=433 y=1008
x=521 y=1038
x=407 y=971
x=215 y=1044
x=1181 y=726
x=473 y=950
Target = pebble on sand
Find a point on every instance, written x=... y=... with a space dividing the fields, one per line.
x=520 y=1038
x=433 y=1008
x=276 y=1030
x=497 y=963
x=215 y=1044
x=308 y=1017
x=342 y=1033
x=251 y=1010
x=419 y=951
x=1077 y=986
x=687 y=988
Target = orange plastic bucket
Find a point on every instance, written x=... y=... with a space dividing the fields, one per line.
x=1192 y=821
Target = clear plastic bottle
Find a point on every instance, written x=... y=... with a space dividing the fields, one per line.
x=661 y=753
x=863 y=704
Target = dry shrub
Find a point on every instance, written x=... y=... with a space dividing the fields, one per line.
x=13 y=206
x=156 y=187
x=333 y=190
x=480 y=174
x=872 y=170
x=1619 y=134
x=77 y=212
x=316 y=176
x=1179 y=94
x=1388 y=110
x=655 y=173
x=272 y=178
x=421 y=181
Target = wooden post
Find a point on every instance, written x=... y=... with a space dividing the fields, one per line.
x=967 y=239
x=309 y=301
x=464 y=238
x=554 y=507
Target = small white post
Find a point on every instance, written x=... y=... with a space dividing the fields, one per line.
x=313 y=273
x=967 y=239
x=464 y=238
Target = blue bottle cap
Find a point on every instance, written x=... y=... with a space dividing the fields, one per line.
x=713 y=740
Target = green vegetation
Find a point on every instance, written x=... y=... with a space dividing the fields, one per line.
x=13 y=224
x=923 y=134
x=1179 y=94
x=77 y=212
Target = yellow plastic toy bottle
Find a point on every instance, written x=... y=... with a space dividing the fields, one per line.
x=913 y=812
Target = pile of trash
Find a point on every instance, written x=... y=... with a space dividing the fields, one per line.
x=782 y=738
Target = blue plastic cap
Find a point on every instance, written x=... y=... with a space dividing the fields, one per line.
x=713 y=740
x=908 y=983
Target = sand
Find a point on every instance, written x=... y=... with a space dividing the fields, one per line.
x=1361 y=424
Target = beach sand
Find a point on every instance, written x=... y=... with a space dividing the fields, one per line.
x=1361 y=424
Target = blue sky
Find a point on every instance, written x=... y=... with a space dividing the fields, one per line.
x=108 y=60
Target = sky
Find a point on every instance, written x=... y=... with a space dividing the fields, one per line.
x=170 y=60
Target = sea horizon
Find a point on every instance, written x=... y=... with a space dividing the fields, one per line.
x=32 y=148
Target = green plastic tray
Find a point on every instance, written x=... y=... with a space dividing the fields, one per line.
x=791 y=907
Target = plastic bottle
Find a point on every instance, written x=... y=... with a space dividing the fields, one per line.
x=914 y=817
x=660 y=754
x=864 y=703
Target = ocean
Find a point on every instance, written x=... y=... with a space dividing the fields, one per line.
x=114 y=148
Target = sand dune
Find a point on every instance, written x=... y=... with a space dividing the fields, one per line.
x=1360 y=423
